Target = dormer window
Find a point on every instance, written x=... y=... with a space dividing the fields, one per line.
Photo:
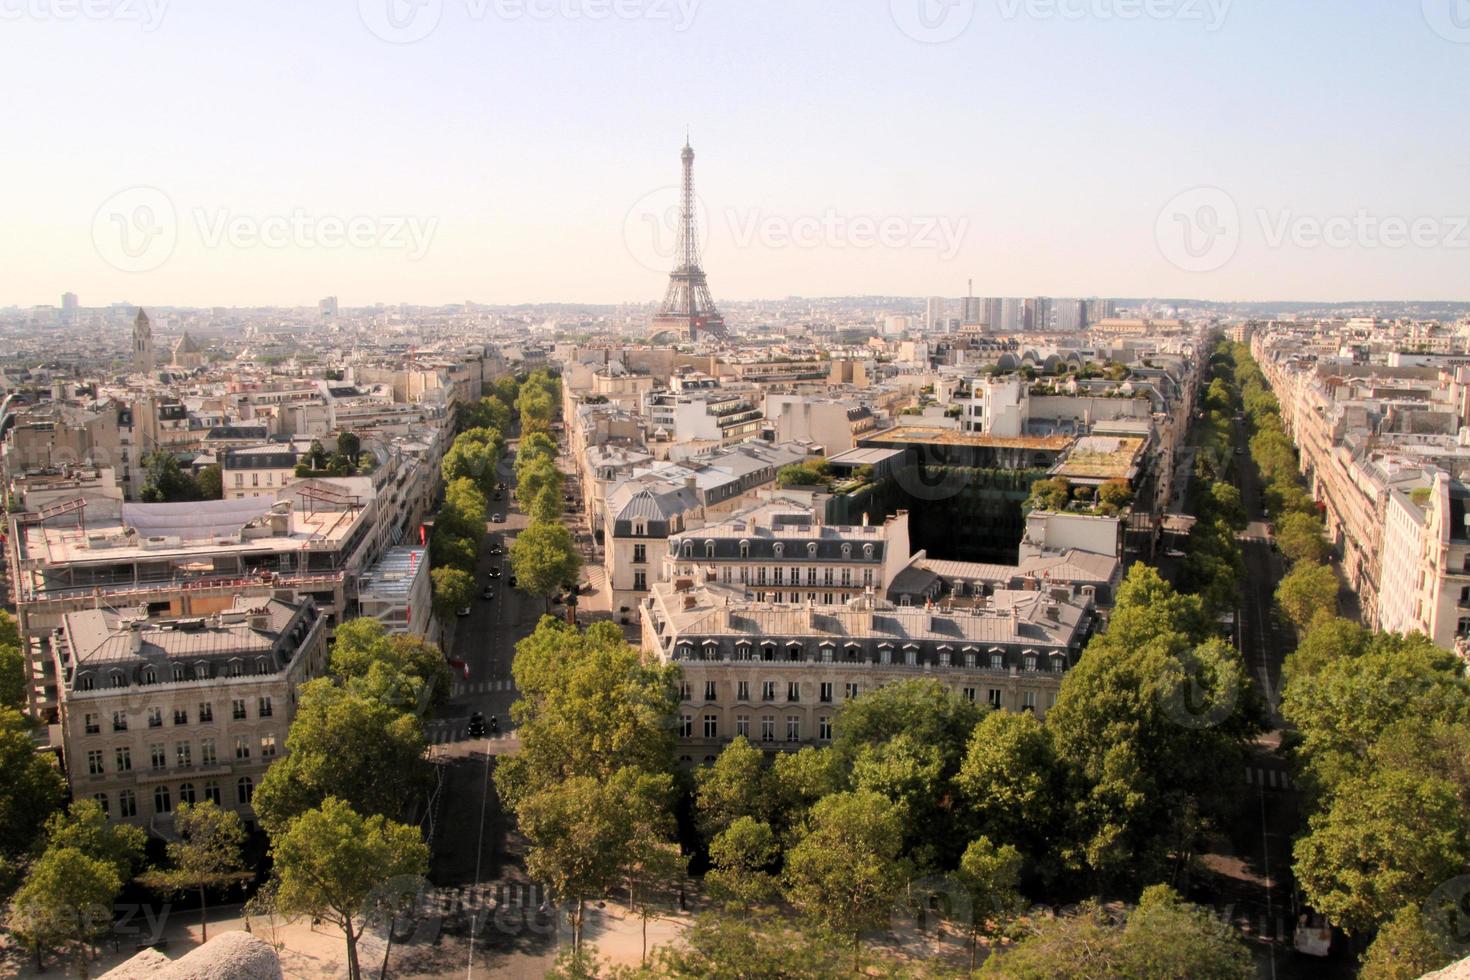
x=688 y=549
x=148 y=676
x=178 y=672
x=640 y=529
x=867 y=551
x=811 y=549
x=119 y=679
x=709 y=549
x=846 y=550
x=84 y=682
x=745 y=549
x=779 y=548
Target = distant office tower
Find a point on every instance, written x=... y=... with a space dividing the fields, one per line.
x=895 y=325
x=143 y=344
x=934 y=314
x=1070 y=315
x=1012 y=316
x=973 y=311
x=1100 y=309
x=1038 y=313
x=69 y=307
x=688 y=308
x=328 y=306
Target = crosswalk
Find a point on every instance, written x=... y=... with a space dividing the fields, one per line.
x=1266 y=778
x=482 y=687
x=443 y=731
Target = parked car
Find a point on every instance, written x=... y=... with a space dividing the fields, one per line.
x=497 y=518
x=511 y=581
x=464 y=611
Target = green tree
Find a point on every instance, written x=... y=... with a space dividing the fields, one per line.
x=1149 y=727
x=208 y=854
x=1011 y=781
x=583 y=833
x=1300 y=538
x=545 y=559
x=470 y=460
x=349 y=445
x=345 y=745
x=210 y=483
x=450 y=550
x=588 y=706
x=363 y=644
x=910 y=773
x=65 y=904
x=537 y=477
x=329 y=861
x=14 y=673
x=167 y=482
x=742 y=856
x=84 y=826
x=546 y=506
x=1406 y=947
x=929 y=711
x=1164 y=938
x=991 y=876
x=799 y=780
x=453 y=591
x=750 y=947
x=1115 y=495
x=33 y=786
x=735 y=785
x=844 y=873
x=1225 y=503
x=1383 y=842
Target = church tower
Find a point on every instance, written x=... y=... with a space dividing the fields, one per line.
x=143 y=361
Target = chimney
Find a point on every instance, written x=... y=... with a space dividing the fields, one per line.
x=865 y=518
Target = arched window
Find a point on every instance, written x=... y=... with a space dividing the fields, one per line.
x=745 y=549
x=688 y=549
x=186 y=793
x=867 y=551
x=811 y=549
x=245 y=790
x=846 y=550
x=779 y=548
x=709 y=549
x=161 y=801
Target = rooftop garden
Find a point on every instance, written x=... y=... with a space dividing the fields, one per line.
x=1111 y=499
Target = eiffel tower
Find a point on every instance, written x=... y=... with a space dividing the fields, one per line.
x=688 y=309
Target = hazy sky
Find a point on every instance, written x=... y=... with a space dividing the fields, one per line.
x=220 y=152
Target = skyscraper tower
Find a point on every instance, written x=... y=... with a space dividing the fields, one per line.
x=688 y=307
x=143 y=360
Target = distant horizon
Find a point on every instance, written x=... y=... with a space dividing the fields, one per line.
x=224 y=155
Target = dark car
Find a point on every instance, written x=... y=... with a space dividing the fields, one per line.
x=489 y=593
x=511 y=581
x=495 y=572
x=477 y=725
x=496 y=549
x=497 y=518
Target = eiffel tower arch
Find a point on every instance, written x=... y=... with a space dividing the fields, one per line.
x=688 y=310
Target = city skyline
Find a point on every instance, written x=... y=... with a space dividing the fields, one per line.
x=330 y=161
